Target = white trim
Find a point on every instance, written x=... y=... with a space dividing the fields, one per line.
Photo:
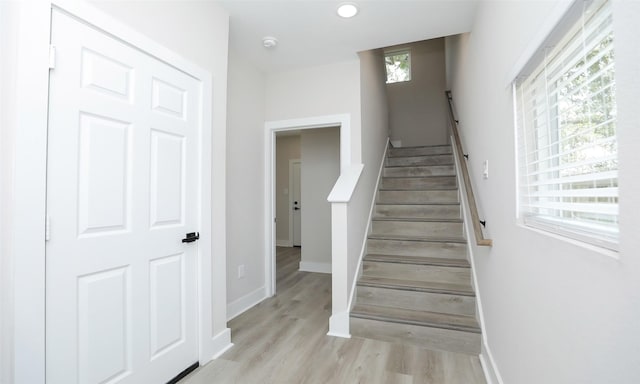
x=339 y=320
x=284 y=243
x=291 y=187
x=32 y=85
x=221 y=343
x=30 y=185
x=312 y=266
x=490 y=368
x=337 y=323
x=346 y=184
x=342 y=120
x=579 y=243
x=245 y=303
x=363 y=248
x=271 y=127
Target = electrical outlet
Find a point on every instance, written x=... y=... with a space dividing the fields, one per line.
x=485 y=169
x=240 y=271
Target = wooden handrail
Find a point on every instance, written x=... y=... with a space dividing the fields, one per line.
x=471 y=200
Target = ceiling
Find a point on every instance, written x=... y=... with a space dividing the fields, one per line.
x=310 y=33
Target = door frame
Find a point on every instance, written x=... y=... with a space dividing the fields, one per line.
x=348 y=150
x=30 y=188
x=291 y=187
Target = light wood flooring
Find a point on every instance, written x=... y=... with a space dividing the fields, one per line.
x=284 y=340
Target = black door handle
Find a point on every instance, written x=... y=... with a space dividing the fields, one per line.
x=296 y=208
x=191 y=237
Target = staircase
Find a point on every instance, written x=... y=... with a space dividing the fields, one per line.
x=415 y=286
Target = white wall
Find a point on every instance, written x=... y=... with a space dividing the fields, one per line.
x=320 y=154
x=417 y=108
x=375 y=131
x=245 y=181
x=554 y=311
x=8 y=48
x=287 y=148
x=318 y=91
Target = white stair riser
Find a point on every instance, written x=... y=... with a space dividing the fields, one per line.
x=427 y=337
x=418 y=197
x=412 y=272
x=432 y=170
x=419 y=211
x=417 y=248
x=419 y=151
x=419 y=229
x=420 y=160
x=413 y=183
x=433 y=302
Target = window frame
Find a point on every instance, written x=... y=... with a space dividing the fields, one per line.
x=566 y=29
x=398 y=52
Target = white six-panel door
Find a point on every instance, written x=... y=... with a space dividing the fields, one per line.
x=122 y=184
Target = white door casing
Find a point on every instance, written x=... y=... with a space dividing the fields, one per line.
x=122 y=191
x=295 y=205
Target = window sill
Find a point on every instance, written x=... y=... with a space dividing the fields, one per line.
x=590 y=247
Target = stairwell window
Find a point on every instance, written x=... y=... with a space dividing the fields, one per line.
x=566 y=129
x=398 y=66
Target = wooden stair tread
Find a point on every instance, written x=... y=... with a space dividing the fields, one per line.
x=410 y=151
x=437 y=239
x=419 y=204
x=421 y=177
x=415 y=219
x=421 y=286
x=431 y=188
x=413 y=317
x=419 y=166
x=419 y=260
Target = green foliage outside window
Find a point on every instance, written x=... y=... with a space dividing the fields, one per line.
x=398 y=66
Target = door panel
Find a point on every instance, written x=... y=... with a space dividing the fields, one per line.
x=104 y=169
x=121 y=194
x=167 y=294
x=167 y=178
x=104 y=325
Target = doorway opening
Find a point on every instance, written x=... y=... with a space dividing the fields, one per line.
x=342 y=156
x=307 y=165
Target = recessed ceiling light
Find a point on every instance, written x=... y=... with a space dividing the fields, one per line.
x=347 y=10
x=269 y=42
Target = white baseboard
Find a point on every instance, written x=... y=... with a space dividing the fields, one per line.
x=221 y=343
x=244 y=303
x=491 y=372
x=312 y=266
x=339 y=325
x=489 y=367
x=284 y=243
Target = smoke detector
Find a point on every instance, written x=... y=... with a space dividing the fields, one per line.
x=269 y=42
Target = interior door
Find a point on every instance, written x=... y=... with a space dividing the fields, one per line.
x=121 y=195
x=297 y=203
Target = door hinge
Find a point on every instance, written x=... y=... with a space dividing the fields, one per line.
x=47 y=228
x=52 y=56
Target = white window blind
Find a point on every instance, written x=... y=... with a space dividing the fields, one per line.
x=566 y=128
